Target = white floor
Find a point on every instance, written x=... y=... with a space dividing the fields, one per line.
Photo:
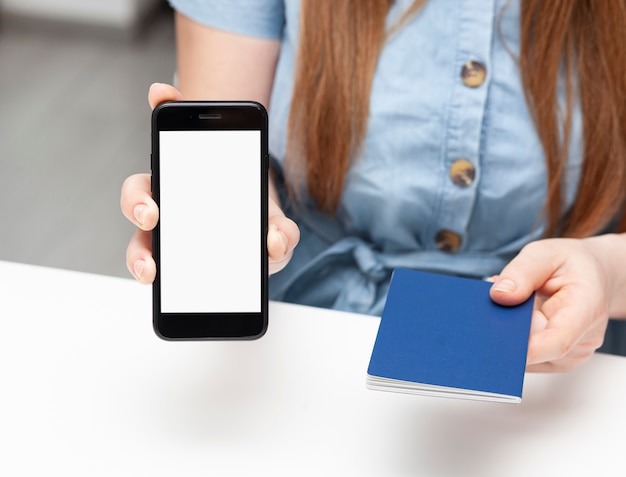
x=74 y=122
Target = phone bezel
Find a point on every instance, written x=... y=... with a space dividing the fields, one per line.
x=217 y=115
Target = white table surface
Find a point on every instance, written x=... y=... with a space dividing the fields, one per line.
x=89 y=390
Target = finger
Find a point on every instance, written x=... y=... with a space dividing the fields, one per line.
x=538 y=323
x=161 y=92
x=136 y=202
x=139 y=257
x=560 y=366
x=566 y=325
x=282 y=237
x=578 y=356
x=527 y=272
x=277 y=243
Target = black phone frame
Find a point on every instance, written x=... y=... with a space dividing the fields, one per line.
x=216 y=115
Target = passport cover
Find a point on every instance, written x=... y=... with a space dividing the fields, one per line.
x=442 y=335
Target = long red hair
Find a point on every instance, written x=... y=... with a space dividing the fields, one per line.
x=340 y=42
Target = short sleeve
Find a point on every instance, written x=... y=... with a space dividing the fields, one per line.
x=258 y=18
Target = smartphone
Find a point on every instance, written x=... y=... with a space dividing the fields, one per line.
x=210 y=181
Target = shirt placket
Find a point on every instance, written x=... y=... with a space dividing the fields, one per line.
x=460 y=159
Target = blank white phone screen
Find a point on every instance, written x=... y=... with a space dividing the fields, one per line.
x=210 y=221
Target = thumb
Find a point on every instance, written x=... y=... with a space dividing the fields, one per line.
x=527 y=272
x=282 y=236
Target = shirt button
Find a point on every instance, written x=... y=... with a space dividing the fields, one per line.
x=462 y=172
x=473 y=74
x=448 y=241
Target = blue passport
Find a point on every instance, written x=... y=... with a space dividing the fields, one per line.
x=442 y=335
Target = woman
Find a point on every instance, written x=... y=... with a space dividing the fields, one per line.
x=473 y=138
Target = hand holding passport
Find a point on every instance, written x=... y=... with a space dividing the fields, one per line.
x=443 y=336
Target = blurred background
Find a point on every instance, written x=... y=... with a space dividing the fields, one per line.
x=74 y=123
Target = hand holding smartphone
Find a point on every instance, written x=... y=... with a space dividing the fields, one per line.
x=209 y=179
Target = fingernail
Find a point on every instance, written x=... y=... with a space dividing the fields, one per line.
x=138 y=267
x=140 y=213
x=505 y=285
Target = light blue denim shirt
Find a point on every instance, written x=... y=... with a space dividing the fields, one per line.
x=400 y=198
